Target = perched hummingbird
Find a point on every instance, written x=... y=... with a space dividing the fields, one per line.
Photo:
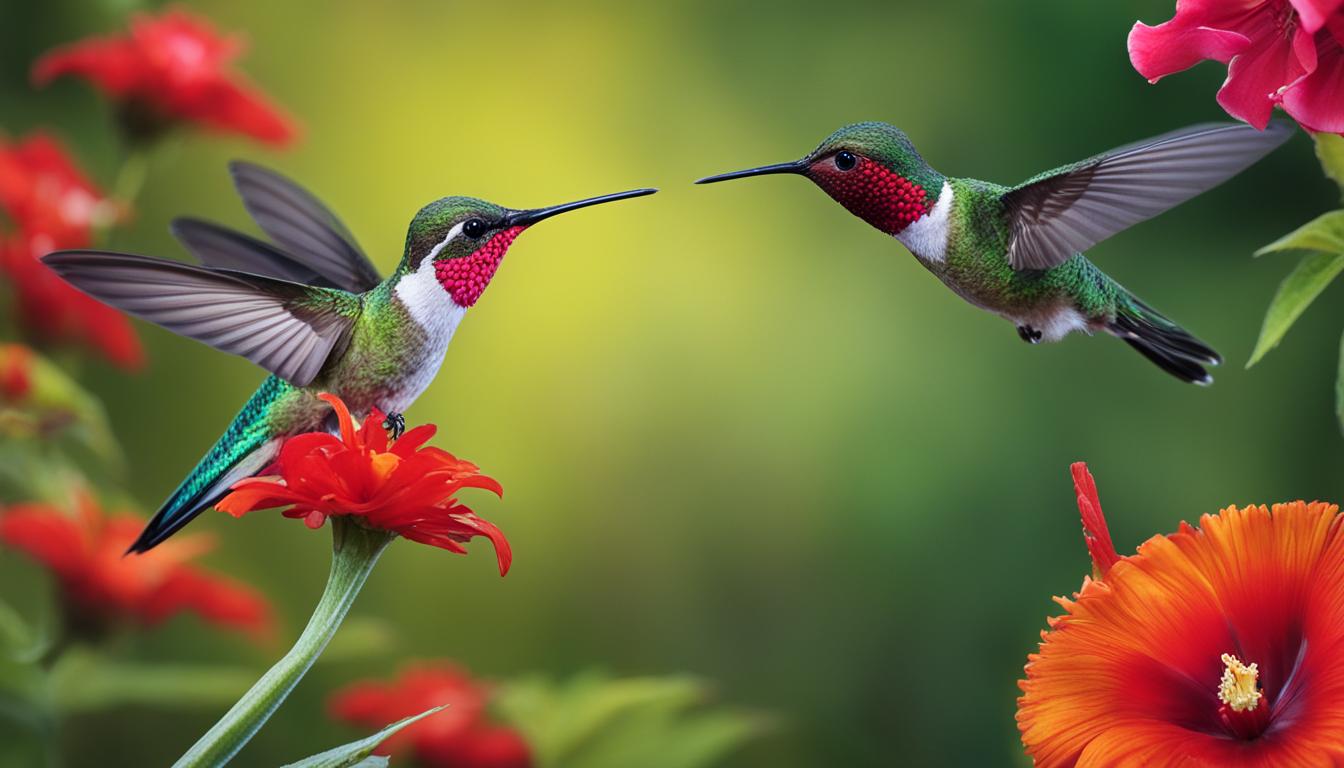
x=1017 y=251
x=311 y=309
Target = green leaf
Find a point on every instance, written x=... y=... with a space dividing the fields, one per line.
x=1325 y=233
x=21 y=641
x=84 y=681
x=1330 y=150
x=593 y=721
x=1295 y=294
x=358 y=754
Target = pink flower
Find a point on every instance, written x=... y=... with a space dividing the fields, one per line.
x=1288 y=53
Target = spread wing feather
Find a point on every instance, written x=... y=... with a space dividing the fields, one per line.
x=219 y=247
x=303 y=227
x=1054 y=216
x=287 y=328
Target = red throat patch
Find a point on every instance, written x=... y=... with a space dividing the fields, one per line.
x=465 y=279
x=876 y=194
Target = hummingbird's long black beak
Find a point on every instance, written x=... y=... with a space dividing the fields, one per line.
x=533 y=215
x=797 y=166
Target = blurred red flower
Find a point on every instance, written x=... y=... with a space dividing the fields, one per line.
x=16 y=372
x=403 y=488
x=1218 y=645
x=102 y=587
x=172 y=68
x=460 y=736
x=1285 y=52
x=53 y=205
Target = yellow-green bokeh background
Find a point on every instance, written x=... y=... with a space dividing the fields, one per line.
x=742 y=435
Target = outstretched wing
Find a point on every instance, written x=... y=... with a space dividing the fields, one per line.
x=1054 y=216
x=286 y=328
x=302 y=226
x=219 y=247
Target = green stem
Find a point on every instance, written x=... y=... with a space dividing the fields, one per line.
x=131 y=177
x=355 y=551
x=125 y=190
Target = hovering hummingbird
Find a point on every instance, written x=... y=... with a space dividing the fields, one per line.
x=1017 y=251
x=311 y=309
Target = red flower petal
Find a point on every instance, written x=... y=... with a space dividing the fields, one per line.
x=56 y=206
x=1256 y=75
x=175 y=68
x=460 y=736
x=1172 y=47
x=50 y=537
x=1314 y=12
x=87 y=556
x=220 y=601
x=235 y=107
x=1317 y=100
x=1096 y=534
x=111 y=65
x=402 y=488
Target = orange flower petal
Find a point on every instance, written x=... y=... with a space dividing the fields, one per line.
x=1130 y=674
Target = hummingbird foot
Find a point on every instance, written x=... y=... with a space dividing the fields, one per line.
x=1028 y=334
x=396 y=423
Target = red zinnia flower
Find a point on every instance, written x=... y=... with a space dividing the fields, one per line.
x=86 y=554
x=457 y=737
x=1285 y=52
x=171 y=68
x=403 y=488
x=1221 y=645
x=55 y=206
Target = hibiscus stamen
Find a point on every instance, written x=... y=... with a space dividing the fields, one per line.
x=1242 y=710
x=1239 y=688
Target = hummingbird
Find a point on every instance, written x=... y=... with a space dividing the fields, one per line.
x=1018 y=251
x=311 y=309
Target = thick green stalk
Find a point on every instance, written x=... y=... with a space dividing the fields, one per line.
x=355 y=551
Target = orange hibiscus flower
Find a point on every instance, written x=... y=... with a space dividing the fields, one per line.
x=1217 y=645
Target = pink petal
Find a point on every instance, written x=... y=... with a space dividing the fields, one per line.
x=1255 y=77
x=1174 y=46
x=1317 y=100
x=1314 y=12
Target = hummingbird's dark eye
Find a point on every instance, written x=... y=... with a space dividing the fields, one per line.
x=474 y=228
x=846 y=160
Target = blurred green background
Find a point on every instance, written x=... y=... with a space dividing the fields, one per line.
x=742 y=435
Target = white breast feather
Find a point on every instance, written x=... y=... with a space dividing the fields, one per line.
x=927 y=237
x=433 y=309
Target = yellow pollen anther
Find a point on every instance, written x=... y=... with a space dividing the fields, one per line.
x=1238 y=688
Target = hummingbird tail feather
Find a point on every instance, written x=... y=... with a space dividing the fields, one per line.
x=1162 y=341
x=205 y=486
x=245 y=449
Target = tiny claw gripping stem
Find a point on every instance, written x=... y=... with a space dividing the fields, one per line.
x=396 y=424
